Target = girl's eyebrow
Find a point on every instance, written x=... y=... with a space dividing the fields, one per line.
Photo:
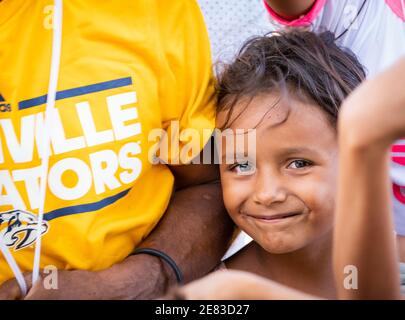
x=235 y=156
x=297 y=150
x=285 y=152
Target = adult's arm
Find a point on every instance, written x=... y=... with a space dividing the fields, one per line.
x=194 y=231
x=236 y=285
x=290 y=9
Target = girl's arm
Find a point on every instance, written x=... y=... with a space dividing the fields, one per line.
x=371 y=119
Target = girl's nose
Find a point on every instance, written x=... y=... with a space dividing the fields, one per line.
x=269 y=189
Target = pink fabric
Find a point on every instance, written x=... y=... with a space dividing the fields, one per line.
x=398 y=148
x=304 y=20
x=399 y=160
x=397 y=7
x=398 y=193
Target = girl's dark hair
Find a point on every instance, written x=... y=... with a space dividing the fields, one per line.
x=306 y=64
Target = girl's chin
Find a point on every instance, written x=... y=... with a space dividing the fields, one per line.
x=281 y=250
x=280 y=246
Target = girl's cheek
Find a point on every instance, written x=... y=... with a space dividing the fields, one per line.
x=323 y=200
x=318 y=194
x=234 y=194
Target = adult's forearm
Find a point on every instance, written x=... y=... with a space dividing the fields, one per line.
x=239 y=285
x=195 y=232
x=290 y=9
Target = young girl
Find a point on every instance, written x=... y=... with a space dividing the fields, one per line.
x=289 y=88
x=361 y=25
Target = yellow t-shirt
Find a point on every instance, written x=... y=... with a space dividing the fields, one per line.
x=126 y=67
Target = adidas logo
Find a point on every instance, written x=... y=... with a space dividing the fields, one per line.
x=4 y=106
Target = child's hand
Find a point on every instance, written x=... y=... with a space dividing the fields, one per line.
x=374 y=115
x=231 y=285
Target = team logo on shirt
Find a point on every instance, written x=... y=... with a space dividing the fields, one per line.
x=4 y=106
x=18 y=228
x=88 y=169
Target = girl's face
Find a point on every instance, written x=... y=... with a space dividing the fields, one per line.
x=285 y=201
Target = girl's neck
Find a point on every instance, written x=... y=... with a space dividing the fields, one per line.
x=308 y=269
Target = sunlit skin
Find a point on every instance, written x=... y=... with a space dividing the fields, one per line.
x=285 y=202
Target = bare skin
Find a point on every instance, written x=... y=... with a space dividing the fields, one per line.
x=225 y=285
x=295 y=172
x=293 y=9
x=372 y=118
x=290 y=9
x=363 y=234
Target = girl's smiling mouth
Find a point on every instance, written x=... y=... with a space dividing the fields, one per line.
x=274 y=218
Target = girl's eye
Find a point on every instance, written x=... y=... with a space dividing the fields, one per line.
x=245 y=168
x=299 y=164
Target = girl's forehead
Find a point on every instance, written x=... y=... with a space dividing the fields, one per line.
x=281 y=124
x=268 y=111
x=251 y=112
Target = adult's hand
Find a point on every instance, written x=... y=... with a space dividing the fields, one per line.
x=235 y=285
x=117 y=282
